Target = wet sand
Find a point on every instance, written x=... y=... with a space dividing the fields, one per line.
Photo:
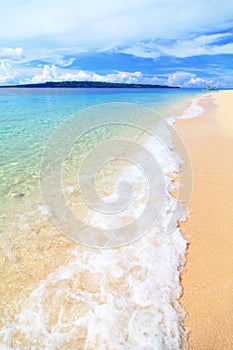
x=207 y=279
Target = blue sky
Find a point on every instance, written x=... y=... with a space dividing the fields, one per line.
x=176 y=42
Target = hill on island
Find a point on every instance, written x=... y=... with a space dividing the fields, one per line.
x=89 y=84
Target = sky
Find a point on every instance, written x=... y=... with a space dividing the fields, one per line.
x=183 y=43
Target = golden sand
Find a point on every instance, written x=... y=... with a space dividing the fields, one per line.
x=208 y=276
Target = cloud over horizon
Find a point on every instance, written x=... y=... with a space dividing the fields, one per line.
x=151 y=37
x=53 y=73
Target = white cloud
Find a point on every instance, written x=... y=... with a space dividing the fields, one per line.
x=62 y=60
x=224 y=49
x=186 y=79
x=201 y=45
x=144 y=50
x=179 y=78
x=57 y=31
x=53 y=73
x=196 y=46
x=198 y=82
x=123 y=77
x=8 y=53
x=91 y=25
x=48 y=74
x=7 y=75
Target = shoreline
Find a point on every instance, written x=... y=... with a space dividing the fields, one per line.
x=20 y=301
x=143 y=283
x=207 y=280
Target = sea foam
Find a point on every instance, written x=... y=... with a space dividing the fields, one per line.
x=122 y=298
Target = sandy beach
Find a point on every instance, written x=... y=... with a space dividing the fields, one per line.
x=207 y=279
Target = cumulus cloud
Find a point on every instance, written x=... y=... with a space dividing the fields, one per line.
x=186 y=79
x=7 y=74
x=53 y=73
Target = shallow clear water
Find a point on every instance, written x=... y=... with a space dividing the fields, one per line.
x=28 y=117
x=57 y=294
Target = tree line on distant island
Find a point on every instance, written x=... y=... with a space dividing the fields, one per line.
x=89 y=84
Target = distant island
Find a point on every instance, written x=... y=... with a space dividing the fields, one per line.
x=89 y=84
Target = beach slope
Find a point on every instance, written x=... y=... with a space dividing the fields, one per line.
x=208 y=276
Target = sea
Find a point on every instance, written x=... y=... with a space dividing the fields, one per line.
x=91 y=196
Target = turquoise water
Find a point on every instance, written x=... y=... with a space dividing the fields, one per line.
x=55 y=293
x=28 y=117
